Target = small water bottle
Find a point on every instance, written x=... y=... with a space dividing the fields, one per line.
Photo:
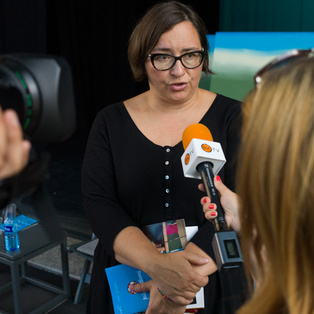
x=11 y=236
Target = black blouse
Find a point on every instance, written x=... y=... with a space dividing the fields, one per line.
x=129 y=181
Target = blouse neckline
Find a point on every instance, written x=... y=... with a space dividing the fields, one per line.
x=138 y=131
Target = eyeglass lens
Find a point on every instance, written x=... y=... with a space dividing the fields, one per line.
x=189 y=60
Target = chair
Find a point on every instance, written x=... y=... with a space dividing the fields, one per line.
x=86 y=250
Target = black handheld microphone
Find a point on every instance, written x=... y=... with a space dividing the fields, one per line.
x=206 y=171
x=203 y=158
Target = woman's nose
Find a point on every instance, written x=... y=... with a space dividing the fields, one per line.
x=178 y=69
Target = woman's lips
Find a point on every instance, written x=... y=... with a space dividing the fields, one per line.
x=178 y=86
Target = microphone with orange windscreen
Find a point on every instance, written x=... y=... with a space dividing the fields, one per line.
x=196 y=130
x=203 y=159
x=199 y=146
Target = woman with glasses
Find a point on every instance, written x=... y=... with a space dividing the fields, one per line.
x=275 y=185
x=132 y=174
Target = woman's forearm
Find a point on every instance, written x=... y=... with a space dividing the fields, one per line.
x=133 y=248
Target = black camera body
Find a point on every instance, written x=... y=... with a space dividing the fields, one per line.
x=40 y=89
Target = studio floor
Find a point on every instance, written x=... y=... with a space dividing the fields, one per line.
x=32 y=297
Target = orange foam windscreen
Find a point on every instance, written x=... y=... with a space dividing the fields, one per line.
x=196 y=130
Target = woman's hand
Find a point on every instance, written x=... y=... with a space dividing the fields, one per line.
x=173 y=273
x=175 y=276
x=229 y=201
x=158 y=301
x=13 y=149
x=168 y=296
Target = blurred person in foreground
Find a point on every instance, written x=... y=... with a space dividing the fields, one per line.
x=273 y=209
x=14 y=150
x=132 y=174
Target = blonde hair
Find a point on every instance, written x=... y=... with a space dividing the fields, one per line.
x=275 y=183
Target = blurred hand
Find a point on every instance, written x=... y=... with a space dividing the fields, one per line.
x=229 y=201
x=14 y=151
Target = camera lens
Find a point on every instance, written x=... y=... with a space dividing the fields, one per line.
x=39 y=88
x=19 y=91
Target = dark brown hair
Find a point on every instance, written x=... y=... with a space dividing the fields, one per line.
x=159 y=19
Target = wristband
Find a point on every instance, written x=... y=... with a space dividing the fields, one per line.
x=164 y=296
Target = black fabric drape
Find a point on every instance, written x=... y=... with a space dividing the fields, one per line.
x=22 y=26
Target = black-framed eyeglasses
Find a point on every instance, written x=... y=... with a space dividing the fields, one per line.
x=164 y=61
x=282 y=60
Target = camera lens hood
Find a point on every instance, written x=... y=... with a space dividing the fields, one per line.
x=40 y=89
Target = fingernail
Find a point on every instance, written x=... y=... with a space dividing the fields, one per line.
x=205 y=200
x=131 y=286
x=213 y=214
x=211 y=206
x=218 y=178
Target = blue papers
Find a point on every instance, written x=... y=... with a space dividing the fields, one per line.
x=124 y=302
x=23 y=222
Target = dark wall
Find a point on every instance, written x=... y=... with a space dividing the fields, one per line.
x=266 y=15
x=22 y=26
x=92 y=36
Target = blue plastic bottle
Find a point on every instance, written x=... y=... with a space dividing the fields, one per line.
x=11 y=236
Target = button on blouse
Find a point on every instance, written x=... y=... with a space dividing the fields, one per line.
x=167 y=184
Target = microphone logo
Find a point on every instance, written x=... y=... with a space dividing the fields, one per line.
x=206 y=148
x=187 y=159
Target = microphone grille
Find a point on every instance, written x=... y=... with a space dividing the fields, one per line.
x=196 y=130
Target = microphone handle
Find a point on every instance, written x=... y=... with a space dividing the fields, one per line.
x=206 y=171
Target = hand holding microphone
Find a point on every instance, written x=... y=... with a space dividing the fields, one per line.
x=230 y=203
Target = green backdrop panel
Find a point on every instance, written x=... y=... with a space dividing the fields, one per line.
x=237 y=56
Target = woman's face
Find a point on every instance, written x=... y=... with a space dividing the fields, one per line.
x=177 y=84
